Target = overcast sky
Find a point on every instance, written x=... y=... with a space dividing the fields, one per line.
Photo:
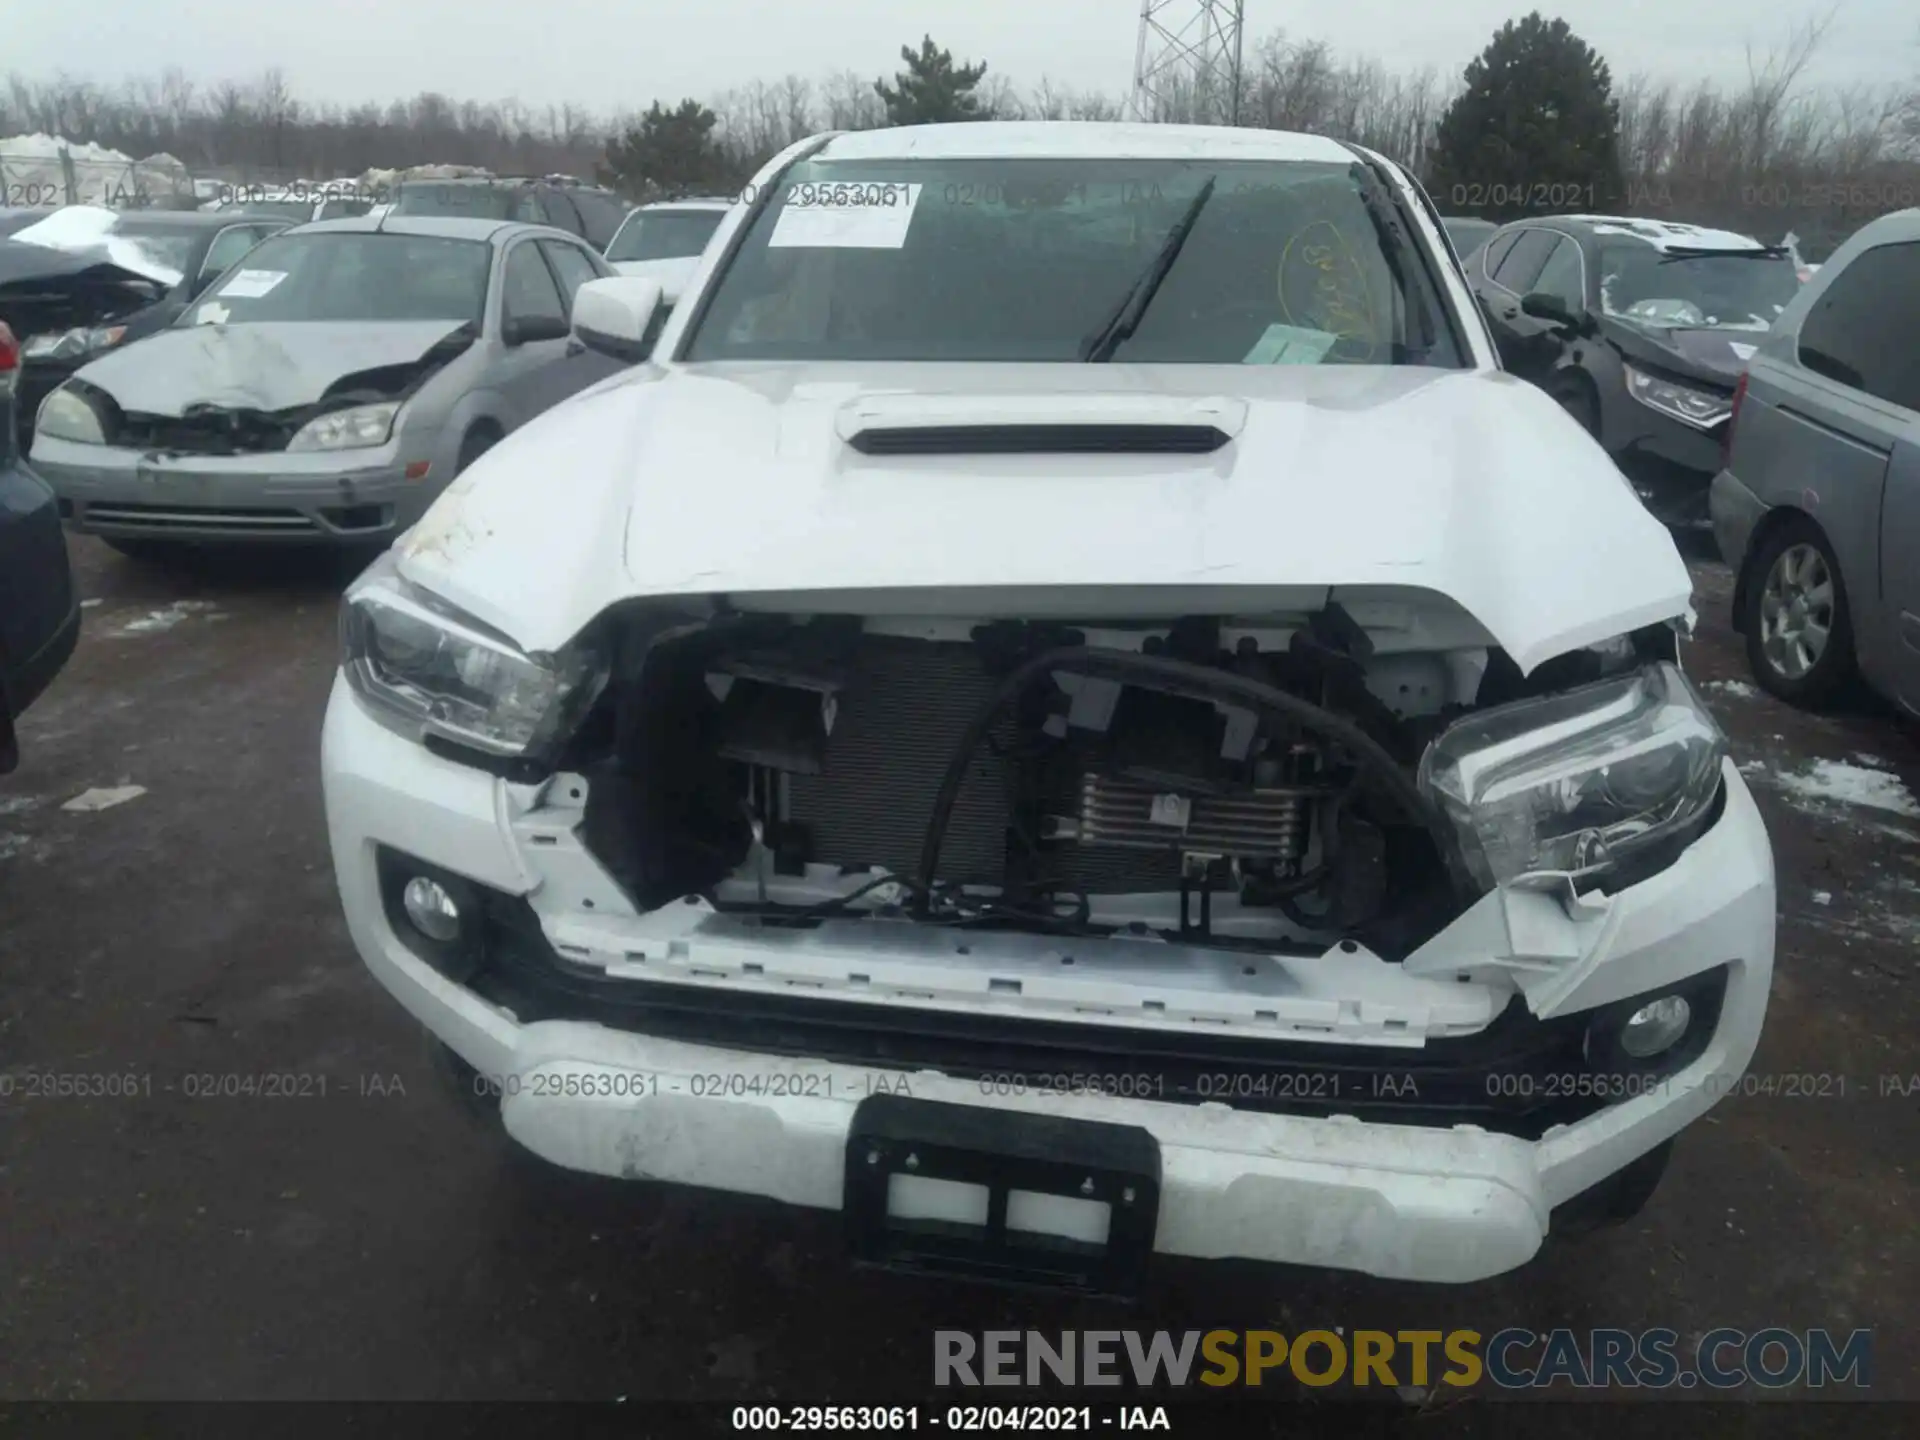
x=622 y=54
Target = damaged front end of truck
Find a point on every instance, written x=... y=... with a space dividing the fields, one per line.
x=1346 y=859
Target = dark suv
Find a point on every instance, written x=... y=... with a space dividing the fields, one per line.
x=39 y=611
x=584 y=210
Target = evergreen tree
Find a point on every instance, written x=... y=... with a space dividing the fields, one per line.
x=668 y=153
x=1535 y=131
x=932 y=89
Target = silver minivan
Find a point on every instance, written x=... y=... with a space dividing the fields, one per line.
x=1817 y=504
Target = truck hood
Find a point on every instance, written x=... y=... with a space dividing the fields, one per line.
x=271 y=366
x=741 y=479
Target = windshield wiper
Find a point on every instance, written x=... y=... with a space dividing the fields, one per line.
x=1703 y=252
x=1387 y=231
x=1098 y=347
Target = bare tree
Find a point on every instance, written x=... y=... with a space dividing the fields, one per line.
x=1769 y=154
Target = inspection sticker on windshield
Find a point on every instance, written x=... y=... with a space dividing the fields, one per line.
x=851 y=215
x=1290 y=345
x=252 y=284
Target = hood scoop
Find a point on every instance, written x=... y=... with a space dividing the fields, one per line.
x=1094 y=424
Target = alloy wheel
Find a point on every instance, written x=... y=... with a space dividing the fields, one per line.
x=1796 y=611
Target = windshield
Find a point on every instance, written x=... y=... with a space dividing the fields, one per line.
x=1025 y=259
x=1733 y=291
x=165 y=249
x=475 y=201
x=665 y=234
x=351 y=276
x=289 y=209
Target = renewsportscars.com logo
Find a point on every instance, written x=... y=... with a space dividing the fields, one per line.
x=1511 y=1359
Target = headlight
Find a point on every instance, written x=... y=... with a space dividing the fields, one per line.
x=428 y=668
x=1577 y=784
x=1702 y=409
x=72 y=344
x=353 y=429
x=66 y=416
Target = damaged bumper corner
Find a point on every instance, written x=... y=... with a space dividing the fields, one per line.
x=1434 y=1202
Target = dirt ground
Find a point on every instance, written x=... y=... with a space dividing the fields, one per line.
x=373 y=1244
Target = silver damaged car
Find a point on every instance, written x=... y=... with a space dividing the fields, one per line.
x=326 y=388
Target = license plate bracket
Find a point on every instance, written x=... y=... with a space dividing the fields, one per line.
x=1038 y=1159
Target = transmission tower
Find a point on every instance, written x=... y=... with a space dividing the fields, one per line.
x=1187 y=65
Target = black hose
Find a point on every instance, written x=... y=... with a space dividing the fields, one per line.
x=1225 y=682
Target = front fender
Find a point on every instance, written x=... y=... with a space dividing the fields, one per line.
x=484 y=404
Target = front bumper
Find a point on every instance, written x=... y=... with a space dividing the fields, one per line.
x=1669 y=463
x=339 y=497
x=1403 y=1201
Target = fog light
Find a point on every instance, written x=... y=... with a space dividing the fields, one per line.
x=433 y=913
x=1649 y=1030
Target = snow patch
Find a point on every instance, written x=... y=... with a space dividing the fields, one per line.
x=156 y=621
x=18 y=804
x=1836 y=782
x=84 y=229
x=1738 y=688
x=99 y=799
x=35 y=168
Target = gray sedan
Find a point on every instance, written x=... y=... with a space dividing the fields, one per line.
x=1818 y=505
x=326 y=388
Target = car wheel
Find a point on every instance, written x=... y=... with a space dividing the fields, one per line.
x=476 y=444
x=1798 y=632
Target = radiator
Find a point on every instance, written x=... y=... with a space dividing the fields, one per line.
x=901 y=713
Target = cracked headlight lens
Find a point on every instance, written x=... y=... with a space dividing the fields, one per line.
x=1702 y=409
x=428 y=668
x=1579 y=784
x=72 y=344
x=353 y=429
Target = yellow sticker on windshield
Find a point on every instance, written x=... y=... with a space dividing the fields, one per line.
x=1322 y=287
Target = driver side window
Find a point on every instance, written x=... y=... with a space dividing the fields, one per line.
x=1561 y=277
x=529 y=289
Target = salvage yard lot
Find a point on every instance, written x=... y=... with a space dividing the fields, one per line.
x=369 y=1242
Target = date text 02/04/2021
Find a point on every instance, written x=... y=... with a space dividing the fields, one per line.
x=806 y=1419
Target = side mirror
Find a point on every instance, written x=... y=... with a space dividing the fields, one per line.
x=1553 y=310
x=524 y=329
x=614 y=316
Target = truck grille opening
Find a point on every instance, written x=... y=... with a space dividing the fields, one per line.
x=821 y=754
